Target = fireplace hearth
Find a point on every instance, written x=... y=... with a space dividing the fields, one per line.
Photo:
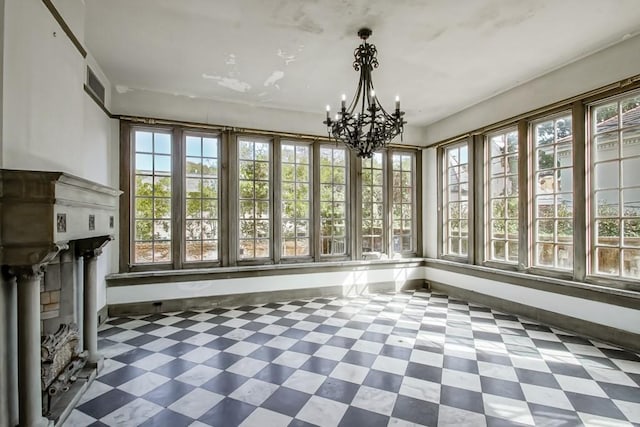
x=61 y=363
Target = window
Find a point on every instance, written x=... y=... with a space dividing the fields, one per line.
x=615 y=187
x=333 y=196
x=296 y=198
x=152 y=197
x=577 y=217
x=455 y=198
x=372 y=204
x=403 y=202
x=553 y=192
x=502 y=193
x=198 y=198
x=201 y=198
x=254 y=164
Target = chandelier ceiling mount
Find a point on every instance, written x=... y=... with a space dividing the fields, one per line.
x=365 y=126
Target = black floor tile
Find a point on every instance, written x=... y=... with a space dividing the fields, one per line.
x=502 y=388
x=338 y=390
x=225 y=383
x=228 y=413
x=361 y=417
x=174 y=368
x=416 y=411
x=594 y=405
x=167 y=393
x=168 y=418
x=461 y=398
x=106 y=403
x=286 y=401
x=274 y=374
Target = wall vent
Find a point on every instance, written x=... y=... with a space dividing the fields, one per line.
x=94 y=84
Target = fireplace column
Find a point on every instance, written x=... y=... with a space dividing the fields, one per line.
x=90 y=309
x=90 y=249
x=29 y=380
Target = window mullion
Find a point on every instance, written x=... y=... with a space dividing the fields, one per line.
x=580 y=211
x=276 y=205
x=233 y=207
x=387 y=225
x=223 y=201
x=316 y=249
x=524 y=144
x=477 y=218
x=177 y=198
x=355 y=207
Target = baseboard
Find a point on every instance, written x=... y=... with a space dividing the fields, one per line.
x=103 y=314
x=231 y=300
x=606 y=334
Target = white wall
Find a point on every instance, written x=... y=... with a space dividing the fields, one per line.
x=605 y=67
x=608 y=66
x=50 y=122
x=351 y=281
x=623 y=318
x=180 y=107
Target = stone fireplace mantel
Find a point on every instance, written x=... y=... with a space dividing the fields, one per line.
x=42 y=214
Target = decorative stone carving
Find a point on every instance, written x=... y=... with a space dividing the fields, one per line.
x=60 y=362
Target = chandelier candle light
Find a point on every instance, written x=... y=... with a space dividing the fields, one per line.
x=365 y=127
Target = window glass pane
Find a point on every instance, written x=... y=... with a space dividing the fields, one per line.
x=502 y=212
x=151 y=236
x=333 y=212
x=455 y=199
x=295 y=199
x=402 y=202
x=201 y=198
x=615 y=154
x=553 y=192
x=372 y=212
x=255 y=199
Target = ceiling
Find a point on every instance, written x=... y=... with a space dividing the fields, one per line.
x=440 y=56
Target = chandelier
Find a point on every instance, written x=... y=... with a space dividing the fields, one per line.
x=365 y=127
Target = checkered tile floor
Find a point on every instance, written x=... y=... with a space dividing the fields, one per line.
x=415 y=358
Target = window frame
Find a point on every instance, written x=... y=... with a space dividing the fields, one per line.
x=416 y=212
x=235 y=207
x=591 y=275
x=577 y=206
x=488 y=198
x=228 y=189
x=349 y=209
x=579 y=110
x=312 y=212
x=442 y=200
x=221 y=242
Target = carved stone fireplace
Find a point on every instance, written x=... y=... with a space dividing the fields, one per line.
x=53 y=222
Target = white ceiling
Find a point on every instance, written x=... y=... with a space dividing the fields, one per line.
x=440 y=56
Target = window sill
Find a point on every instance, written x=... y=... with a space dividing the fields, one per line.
x=195 y=274
x=590 y=291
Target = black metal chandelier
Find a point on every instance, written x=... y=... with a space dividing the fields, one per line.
x=365 y=127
